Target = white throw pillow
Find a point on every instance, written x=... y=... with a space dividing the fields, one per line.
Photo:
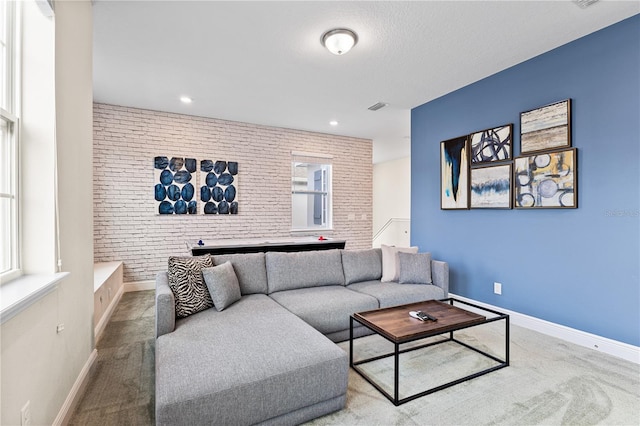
x=391 y=263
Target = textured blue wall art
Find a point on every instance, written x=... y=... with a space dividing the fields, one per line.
x=491 y=187
x=454 y=169
x=574 y=267
x=219 y=187
x=174 y=188
x=491 y=144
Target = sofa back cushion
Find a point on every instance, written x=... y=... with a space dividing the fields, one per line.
x=289 y=271
x=250 y=269
x=362 y=265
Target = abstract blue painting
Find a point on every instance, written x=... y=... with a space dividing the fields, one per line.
x=491 y=144
x=174 y=185
x=491 y=187
x=454 y=174
x=219 y=187
x=547 y=180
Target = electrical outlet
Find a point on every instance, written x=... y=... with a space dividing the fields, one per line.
x=497 y=288
x=25 y=414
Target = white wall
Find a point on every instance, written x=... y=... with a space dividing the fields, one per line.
x=392 y=200
x=127 y=226
x=38 y=364
x=37 y=134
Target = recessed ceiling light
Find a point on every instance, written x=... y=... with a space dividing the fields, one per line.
x=339 y=41
x=185 y=99
x=333 y=123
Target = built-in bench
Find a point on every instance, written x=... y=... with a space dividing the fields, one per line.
x=107 y=290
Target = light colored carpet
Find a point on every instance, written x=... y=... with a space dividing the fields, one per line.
x=121 y=389
x=549 y=381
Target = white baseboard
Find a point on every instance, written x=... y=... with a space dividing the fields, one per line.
x=582 y=338
x=64 y=415
x=107 y=314
x=139 y=286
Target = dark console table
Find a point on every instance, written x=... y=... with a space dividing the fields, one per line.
x=259 y=246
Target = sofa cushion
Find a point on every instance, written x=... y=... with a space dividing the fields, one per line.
x=415 y=268
x=327 y=309
x=361 y=265
x=252 y=362
x=250 y=270
x=222 y=284
x=390 y=264
x=393 y=294
x=187 y=285
x=288 y=271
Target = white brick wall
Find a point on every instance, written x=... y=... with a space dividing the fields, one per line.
x=127 y=226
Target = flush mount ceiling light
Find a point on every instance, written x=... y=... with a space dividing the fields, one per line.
x=333 y=123
x=185 y=99
x=339 y=41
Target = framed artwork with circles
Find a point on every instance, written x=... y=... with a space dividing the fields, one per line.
x=546 y=180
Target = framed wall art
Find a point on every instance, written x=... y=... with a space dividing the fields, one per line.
x=545 y=128
x=491 y=144
x=454 y=174
x=491 y=187
x=173 y=189
x=546 y=180
x=219 y=187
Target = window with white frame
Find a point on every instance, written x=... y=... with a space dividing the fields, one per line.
x=310 y=192
x=9 y=259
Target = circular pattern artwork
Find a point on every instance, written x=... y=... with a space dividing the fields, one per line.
x=173 y=188
x=219 y=187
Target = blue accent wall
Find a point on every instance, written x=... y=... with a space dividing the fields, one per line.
x=575 y=267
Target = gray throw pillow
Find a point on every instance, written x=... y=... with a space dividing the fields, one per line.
x=415 y=268
x=390 y=262
x=187 y=285
x=223 y=285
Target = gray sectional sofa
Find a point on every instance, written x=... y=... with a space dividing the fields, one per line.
x=270 y=357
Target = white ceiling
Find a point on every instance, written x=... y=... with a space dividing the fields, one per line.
x=262 y=62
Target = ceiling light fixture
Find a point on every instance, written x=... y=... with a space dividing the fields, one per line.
x=333 y=123
x=185 y=99
x=339 y=41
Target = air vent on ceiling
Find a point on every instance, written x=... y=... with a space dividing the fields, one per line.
x=46 y=7
x=584 y=3
x=377 y=106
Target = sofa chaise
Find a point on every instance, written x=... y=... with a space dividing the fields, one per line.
x=270 y=357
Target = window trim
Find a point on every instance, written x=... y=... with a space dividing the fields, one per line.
x=325 y=161
x=11 y=116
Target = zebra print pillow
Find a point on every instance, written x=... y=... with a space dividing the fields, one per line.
x=187 y=284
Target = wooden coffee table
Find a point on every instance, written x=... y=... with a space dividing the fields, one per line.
x=395 y=325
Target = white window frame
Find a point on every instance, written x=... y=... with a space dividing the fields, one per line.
x=325 y=192
x=9 y=108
